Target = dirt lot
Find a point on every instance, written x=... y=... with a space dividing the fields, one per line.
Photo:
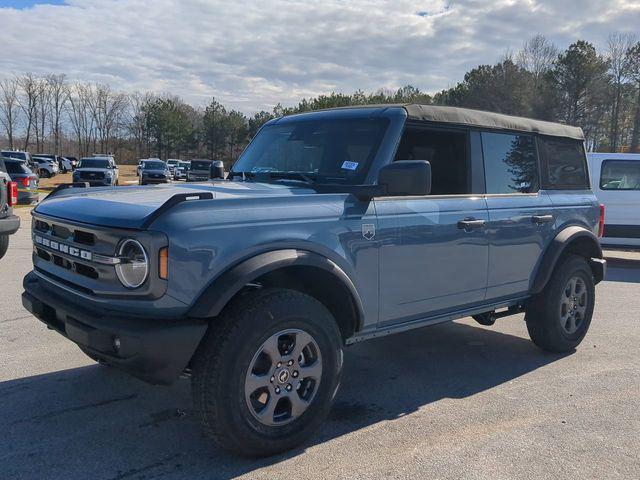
x=127 y=177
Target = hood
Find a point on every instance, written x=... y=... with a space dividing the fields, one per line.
x=130 y=207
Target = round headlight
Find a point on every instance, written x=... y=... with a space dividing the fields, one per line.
x=134 y=267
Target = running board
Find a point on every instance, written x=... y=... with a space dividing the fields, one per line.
x=428 y=321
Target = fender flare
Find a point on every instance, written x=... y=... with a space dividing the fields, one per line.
x=218 y=293
x=558 y=246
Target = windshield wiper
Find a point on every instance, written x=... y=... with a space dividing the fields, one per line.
x=268 y=176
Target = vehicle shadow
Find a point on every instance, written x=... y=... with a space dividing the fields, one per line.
x=95 y=422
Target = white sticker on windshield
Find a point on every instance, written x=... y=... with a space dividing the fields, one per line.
x=346 y=165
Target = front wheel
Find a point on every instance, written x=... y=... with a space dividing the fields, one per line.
x=265 y=375
x=558 y=318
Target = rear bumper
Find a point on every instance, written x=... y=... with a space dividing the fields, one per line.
x=9 y=225
x=154 y=350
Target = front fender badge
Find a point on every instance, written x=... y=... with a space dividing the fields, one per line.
x=368 y=231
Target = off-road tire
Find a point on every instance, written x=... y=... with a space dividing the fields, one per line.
x=4 y=245
x=543 y=312
x=223 y=358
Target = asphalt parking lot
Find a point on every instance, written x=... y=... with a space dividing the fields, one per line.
x=453 y=401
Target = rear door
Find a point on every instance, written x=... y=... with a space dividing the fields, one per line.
x=521 y=216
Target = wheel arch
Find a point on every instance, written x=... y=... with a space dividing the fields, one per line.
x=571 y=240
x=296 y=269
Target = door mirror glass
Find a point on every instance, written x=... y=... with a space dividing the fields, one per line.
x=406 y=177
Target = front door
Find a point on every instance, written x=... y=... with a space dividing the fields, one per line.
x=437 y=259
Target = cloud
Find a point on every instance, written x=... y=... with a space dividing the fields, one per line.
x=251 y=55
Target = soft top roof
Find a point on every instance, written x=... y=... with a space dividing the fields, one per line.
x=467 y=116
x=478 y=118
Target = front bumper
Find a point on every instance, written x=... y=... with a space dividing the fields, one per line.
x=152 y=349
x=9 y=225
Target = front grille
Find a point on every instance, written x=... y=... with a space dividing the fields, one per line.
x=91 y=175
x=65 y=233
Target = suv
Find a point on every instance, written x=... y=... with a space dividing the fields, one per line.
x=46 y=168
x=154 y=171
x=9 y=223
x=199 y=170
x=20 y=155
x=97 y=171
x=64 y=164
x=333 y=227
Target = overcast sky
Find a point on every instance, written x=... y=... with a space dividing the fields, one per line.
x=254 y=54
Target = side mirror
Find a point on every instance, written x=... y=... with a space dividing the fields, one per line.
x=406 y=177
x=217 y=170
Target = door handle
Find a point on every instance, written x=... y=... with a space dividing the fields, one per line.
x=542 y=219
x=469 y=224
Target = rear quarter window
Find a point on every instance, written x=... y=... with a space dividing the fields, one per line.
x=564 y=163
x=620 y=175
x=510 y=163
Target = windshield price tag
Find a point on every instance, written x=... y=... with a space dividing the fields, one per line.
x=346 y=165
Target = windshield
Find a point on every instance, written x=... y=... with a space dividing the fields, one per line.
x=94 y=163
x=153 y=165
x=330 y=150
x=200 y=165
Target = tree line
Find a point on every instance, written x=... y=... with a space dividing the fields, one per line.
x=596 y=90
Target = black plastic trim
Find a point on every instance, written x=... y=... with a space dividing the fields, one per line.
x=172 y=202
x=223 y=288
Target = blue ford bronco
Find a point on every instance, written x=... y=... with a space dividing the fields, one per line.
x=333 y=227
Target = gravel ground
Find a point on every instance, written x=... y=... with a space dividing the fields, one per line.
x=457 y=401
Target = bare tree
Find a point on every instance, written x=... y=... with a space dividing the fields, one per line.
x=59 y=95
x=537 y=56
x=633 y=70
x=9 y=107
x=80 y=117
x=28 y=101
x=136 y=122
x=617 y=47
x=107 y=108
x=43 y=105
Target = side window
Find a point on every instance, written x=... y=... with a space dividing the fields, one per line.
x=565 y=163
x=446 y=151
x=510 y=163
x=620 y=175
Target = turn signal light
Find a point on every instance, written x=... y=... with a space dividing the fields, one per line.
x=601 y=222
x=163 y=263
x=12 y=190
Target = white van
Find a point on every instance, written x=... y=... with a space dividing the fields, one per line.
x=615 y=179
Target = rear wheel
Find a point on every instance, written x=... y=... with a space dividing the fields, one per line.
x=45 y=173
x=265 y=376
x=4 y=244
x=559 y=317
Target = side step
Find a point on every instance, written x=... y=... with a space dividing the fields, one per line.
x=489 y=318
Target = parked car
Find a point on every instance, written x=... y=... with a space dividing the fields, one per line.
x=64 y=165
x=181 y=171
x=154 y=171
x=97 y=171
x=199 y=170
x=45 y=167
x=172 y=163
x=333 y=228
x=9 y=223
x=20 y=155
x=73 y=160
x=615 y=179
x=26 y=180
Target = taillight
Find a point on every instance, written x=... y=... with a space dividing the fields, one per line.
x=601 y=221
x=25 y=181
x=12 y=191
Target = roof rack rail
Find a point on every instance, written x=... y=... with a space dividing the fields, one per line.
x=173 y=201
x=65 y=186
